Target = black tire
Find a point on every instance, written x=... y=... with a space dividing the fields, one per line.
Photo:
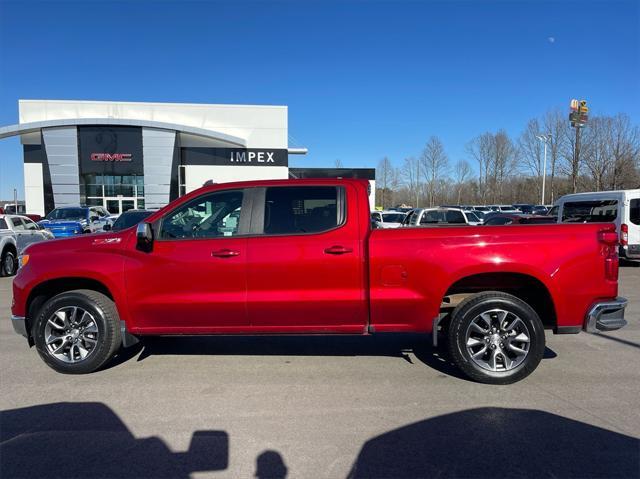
x=106 y=317
x=471 y=308
x=8 y=263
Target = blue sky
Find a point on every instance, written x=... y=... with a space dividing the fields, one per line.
x=362 y=79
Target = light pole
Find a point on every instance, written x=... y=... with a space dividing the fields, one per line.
x=544 y=139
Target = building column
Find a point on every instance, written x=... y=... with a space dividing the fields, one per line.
x=157 y=152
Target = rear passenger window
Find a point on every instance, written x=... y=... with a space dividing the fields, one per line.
x=634 y=211
x=3 y=224
x=306 y=209
x=431 y=217
x=455 y=217
x=18 y=225
x=590 y=211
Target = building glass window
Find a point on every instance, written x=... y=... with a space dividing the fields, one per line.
x=117 y=193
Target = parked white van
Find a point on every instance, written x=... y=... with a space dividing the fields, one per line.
x=619 y=207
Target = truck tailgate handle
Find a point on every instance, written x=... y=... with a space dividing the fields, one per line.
x=338 y=250
x=225 y=253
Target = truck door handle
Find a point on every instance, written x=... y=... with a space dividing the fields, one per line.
x=338 y=250
x=225 y=253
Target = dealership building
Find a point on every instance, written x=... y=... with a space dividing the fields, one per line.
x=124 y=155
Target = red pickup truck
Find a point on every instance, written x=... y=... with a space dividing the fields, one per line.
x=300 y=256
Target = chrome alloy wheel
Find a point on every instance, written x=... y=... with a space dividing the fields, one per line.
x=71 y=334
x=498 y=340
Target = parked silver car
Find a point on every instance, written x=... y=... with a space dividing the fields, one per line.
x=436 y=216
x=16 y=233
x=388 y=219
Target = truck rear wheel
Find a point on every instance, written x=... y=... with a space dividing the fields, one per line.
x=77 y=332
x=496 y=338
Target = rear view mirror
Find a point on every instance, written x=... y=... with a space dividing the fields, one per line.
x=144 y=237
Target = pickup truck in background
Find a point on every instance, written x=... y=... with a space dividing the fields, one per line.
x=300 y=256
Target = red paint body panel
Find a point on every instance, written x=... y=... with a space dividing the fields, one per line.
x=390 y=279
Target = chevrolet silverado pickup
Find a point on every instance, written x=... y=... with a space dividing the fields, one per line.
x=301 y=257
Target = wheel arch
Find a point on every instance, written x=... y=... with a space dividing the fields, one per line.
x=524 y=286
x=52 y=287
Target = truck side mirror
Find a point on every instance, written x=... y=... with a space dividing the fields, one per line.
x=144 y=237
x=106 y=227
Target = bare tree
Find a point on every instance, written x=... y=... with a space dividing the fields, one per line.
x=433 y=164
x=532 y=149
x=624 y=146
x=595 y=149
x=480 y=149
x=338 y=163
x=386 y=179
x=504 y=161
x=555 y=126
x=462 y=173
x=411 y=176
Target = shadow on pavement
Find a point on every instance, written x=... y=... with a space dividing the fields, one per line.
x=397 y=345
x=496 y=442
x=68 y=440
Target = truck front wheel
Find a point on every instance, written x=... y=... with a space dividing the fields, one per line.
x=496 y=338
x=77 y=332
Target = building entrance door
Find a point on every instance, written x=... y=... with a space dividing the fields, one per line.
x=119 y=205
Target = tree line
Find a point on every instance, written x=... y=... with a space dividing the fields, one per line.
x=500 y=169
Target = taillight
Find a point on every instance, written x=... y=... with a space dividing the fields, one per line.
x=624 y=234
x=609 y=239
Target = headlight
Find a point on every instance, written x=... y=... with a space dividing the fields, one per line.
x=23 y=260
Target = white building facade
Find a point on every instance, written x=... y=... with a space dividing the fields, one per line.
x=124 y=155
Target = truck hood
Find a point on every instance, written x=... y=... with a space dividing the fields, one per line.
x=78 y=243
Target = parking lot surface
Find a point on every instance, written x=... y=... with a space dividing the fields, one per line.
x=322 y=407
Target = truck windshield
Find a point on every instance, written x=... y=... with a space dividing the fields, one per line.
x=75 y=214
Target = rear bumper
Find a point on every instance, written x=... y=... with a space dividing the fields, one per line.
x=19 y=325
x=631 y=252
x=606 y=316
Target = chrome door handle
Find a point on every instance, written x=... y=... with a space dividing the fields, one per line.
x=338 y=250
x=225 y=253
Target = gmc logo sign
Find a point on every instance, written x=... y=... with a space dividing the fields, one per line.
x=111 y=157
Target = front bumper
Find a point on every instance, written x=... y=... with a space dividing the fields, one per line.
x=19 y=325
x=606 y=316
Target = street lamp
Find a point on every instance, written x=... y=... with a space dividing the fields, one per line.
x=544 y=139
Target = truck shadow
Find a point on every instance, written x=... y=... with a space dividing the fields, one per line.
x=87 y=439
x=498 y=442
x=396 y=345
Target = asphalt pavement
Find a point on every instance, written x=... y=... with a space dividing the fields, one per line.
x=322 y=407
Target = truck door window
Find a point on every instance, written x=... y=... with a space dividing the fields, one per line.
x=455 y=217
x=3 y=224
x=594 y=211
x=432 y=217
x=305 y=209
x=210 y=216
x=18 y=225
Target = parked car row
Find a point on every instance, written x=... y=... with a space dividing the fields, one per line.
x=619 y=207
